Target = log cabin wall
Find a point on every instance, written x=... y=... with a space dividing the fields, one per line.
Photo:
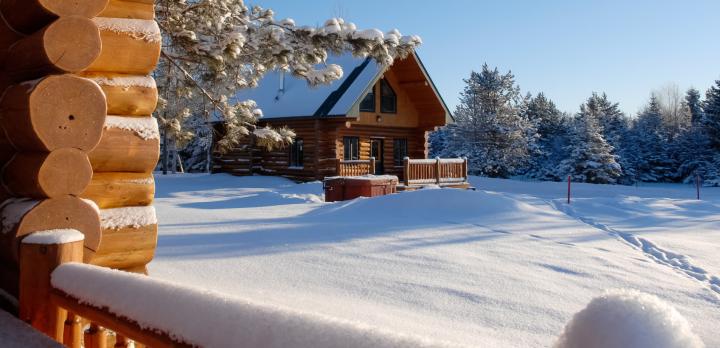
x=76 y=123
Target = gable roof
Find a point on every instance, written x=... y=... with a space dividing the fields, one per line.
x=340 y=98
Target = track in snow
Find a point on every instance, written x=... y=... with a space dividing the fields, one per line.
x=656 y=253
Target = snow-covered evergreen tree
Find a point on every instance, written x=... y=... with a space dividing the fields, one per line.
x=590 y=157
x=213 y=48
x=654 y=161
x=711 y=115
x=552 y=131
x=693 y=105
x=490 y=129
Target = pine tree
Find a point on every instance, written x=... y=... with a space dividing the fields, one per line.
x=711 y=117
x=655 y=163
x=693 y=105
x=552 y=131
x=490 y=130
x=590 y=156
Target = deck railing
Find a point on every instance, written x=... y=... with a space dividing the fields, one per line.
x=355 y=167
x=436 y=171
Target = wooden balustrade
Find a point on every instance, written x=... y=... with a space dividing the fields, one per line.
x=445 y=172
x=355 y=167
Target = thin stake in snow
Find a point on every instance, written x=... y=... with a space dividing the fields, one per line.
x=697 y=186
x=568 y=192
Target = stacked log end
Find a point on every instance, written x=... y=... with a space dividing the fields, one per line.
x=66 y=65
x=122 y=185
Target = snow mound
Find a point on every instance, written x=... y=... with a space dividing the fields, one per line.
x=628 y=319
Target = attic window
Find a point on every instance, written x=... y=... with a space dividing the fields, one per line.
x=388 y=98
x=368 y=104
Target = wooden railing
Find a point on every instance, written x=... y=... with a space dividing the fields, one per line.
x=355 y=167
x=438 y=171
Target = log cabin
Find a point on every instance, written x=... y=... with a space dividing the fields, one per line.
x=381 y=112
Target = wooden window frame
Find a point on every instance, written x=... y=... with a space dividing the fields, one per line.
x=296 y=155
x=370 y=97
x=399 y=158
x=385 y=83
x=351 y=153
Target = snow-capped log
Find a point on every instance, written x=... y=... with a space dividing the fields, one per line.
x=131 y=46
x=129 y=238
x=129 y=95
x=131 y=9
x=41 y=174
x=28 y=16
x=22 y=216
x=60 y=111
x=114 y=190
x=128 y=144
x=46 y=51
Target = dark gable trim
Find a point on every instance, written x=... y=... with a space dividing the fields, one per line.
x=335 y=96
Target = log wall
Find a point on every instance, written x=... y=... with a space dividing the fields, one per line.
x=76 y=131
x=323 y=146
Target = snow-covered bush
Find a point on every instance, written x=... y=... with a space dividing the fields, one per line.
x=628 y=319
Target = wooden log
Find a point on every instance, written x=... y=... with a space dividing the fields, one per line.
x=37 y=262
x=28 y=16
x=70 y=44
x=96 y=337
x=40 y=175
x=114 y=190
x=21 y=217
x=131 y=46
x=129 y=9
x=62 y=111
x=128 y=144
x=8 y=36
x=125 y=248
x=128 y=95
x=7 y=151
x=72 y=334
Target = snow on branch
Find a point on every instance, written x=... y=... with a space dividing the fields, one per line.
x=209 y=319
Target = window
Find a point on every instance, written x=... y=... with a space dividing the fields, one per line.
x=388 y=99
x=399 y=151
x=352 y=148
x=296 y=153
x=368 y=104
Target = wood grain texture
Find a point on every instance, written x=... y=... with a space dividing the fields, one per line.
x=45 y=175
x=124 y=151
x=69 y=44
x=129 y=9
x=28 y=16
x=66 y=212
x=125 y=100
x=115 y=190
x=127 y=53
x=127 y=247
x=61 y=111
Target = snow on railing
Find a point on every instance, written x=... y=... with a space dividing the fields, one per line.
x=159 y=313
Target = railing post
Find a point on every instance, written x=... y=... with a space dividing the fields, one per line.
x=465 y=169
x=406 y=171
x=372 y=165
x=437 y=170
x=338 y=167
x=96 y=337
x=38 y=259
x=72 y=332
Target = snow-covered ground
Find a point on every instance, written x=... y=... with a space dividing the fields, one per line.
x=507 y=265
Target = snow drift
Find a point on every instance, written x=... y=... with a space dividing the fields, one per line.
x=628 y=319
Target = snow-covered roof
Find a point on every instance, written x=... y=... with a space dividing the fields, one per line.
x=298 y=99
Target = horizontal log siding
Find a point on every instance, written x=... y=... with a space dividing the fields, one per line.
x=323 y=144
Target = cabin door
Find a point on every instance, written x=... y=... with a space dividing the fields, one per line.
x=377 y=150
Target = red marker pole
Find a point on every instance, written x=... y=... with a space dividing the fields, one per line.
x=569 y=181
x=697 y=186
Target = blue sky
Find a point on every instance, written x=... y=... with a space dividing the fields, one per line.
x=568 y=49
